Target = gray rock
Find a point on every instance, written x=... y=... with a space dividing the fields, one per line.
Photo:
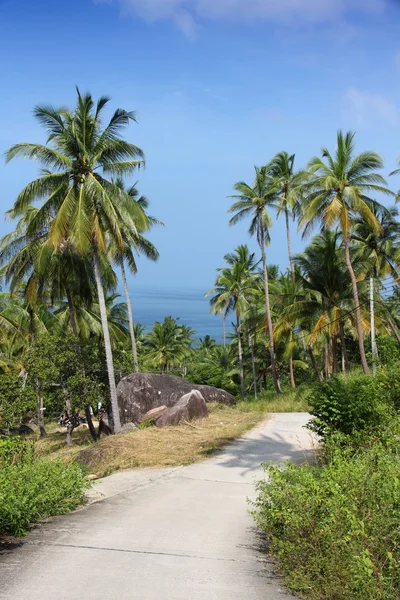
x=128 y=427
x=154 y=414
x=189 y=407
x=140 y=392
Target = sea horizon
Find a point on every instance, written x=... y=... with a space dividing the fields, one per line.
x=189 y=306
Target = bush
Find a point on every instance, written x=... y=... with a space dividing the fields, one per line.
x=33 y=489
x=355 y=403
x=335 y=528
x=15 y=450
x=388 y=350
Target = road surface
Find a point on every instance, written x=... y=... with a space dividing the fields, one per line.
x=168 y=534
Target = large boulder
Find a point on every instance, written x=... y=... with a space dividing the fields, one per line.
x=189 y=407
x=140 y=392
x=154 y=414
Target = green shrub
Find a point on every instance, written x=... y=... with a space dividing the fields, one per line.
x=388 y=350
x=336 y=528
x=356 y=403
x=15 y=450
x=33 y=489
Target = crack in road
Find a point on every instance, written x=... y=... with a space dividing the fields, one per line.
x=143 y=552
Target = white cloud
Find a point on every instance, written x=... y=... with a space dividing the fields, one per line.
x=186 y=13
x=365 y=109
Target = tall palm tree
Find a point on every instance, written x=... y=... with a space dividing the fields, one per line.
x=134 y=242
x=82 y=204
x=338 y=191
x=254 y=201
x=287 y=181
x=327 y=292
x=233 y=289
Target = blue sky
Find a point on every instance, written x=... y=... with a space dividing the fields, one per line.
x=218 y=86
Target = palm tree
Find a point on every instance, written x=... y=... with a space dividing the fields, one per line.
x=287 y=182
x=253 y=201
x=207 y=343
x=133 y=242
x=380 y=250
x=168 y=344
x=289 y=291
x=233 y=290
x=327 y=292
x=82 y=205
x=337 y=192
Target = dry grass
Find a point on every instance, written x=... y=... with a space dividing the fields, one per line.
x=171 y=446
x=54 y=444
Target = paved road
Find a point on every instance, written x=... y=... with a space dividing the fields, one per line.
x=171 y=534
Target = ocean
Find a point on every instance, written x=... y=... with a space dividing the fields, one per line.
x=189 y=306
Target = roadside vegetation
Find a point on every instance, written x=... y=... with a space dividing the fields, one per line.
x=32 y=488
x=309 y=336
x=334 y=526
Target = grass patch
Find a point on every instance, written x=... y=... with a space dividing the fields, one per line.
x=289 y=401
x=171 y=446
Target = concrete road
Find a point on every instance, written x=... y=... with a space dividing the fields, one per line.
x=171 y=534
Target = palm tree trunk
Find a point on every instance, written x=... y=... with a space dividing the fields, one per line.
x=253 y=365
x=291 y=371
x=107 y=345
x=394 y=328
x=72 y=316
x=269 y=319
x=224 y=330
x=327 y=362
x=335 y=366
x=240 y=351
x=314 y=363
x=289 y=242
x=356 y=305
x=372 y=313
x=40 y=415
x=130 y=318
x=345 y=359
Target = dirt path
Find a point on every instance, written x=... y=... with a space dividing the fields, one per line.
x=170 y=534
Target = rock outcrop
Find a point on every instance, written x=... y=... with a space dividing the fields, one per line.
x=154 y=414
x=189 y=407
x=141 y=392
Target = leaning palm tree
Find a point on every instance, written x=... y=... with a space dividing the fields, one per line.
x=288 y=182
x=134 y=242
x=254 y=201
x=338 y=191
x=82 y=204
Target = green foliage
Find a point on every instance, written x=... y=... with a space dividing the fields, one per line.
x=356 y=403
x=214 y=375
x=33 y=489
x=388 y=350
x=335 y=528
x=16 y=401
x=30 y=491
x=15 y=450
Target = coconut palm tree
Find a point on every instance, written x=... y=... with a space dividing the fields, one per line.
x=134 y=242
x=288 y=184
x=84 y=207
x=233 y=289
x=337 y=192
x=168 y=344
x=254 y=201
x=327 y=292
